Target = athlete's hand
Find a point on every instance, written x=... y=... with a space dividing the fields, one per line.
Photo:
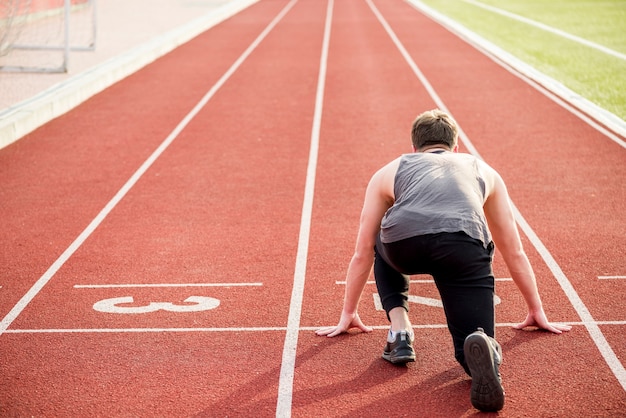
x=346 y=322
x=539 y=319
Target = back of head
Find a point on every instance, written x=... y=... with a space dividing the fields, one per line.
x=434 y=128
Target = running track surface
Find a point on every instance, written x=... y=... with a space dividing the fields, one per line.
x=232 y=171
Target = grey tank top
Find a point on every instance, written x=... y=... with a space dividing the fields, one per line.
x=437 y=193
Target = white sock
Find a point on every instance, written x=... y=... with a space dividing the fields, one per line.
x=392 y=335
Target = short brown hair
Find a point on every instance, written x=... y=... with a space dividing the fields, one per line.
x=434 y=127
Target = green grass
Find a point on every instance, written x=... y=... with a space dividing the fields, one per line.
x=595 y=75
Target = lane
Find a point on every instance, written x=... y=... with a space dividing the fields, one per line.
x=571 y=168
x=568 y=163
x=54 y=181
x=371 y=99
x=221 y=206
x=558 y=169
x=209 y=189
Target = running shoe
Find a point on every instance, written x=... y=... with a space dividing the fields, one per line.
x=483 y=355
x=399 y=350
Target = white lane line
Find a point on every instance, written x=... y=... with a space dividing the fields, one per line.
x=549 y=29
x=596 y=334
x=245 y=329
x=139 y=330
x=343 y=282
x=140 y=285
x=611 y=277
x=43 y=280
x=288 y=364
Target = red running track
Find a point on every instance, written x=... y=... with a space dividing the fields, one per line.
x=251 y=204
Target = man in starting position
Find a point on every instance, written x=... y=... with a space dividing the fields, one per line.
x=439 y=212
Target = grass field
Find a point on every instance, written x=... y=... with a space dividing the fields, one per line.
x=592 y=73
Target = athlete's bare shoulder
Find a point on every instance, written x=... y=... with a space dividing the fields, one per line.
x=383 y=180
x=490 y=176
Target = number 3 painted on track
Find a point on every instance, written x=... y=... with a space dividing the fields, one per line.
x=200 y=303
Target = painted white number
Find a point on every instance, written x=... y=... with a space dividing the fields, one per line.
x=196 y=304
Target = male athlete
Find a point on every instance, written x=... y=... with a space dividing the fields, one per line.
x=436 y=211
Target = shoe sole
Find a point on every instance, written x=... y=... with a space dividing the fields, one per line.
x=487 y=393
x=407 y=358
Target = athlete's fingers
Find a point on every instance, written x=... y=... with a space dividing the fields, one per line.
x=552 y=329
x=325 y=331
x=556 y=328
x=330 y=331
x=336 y=332
x=365 y=328
x=543 y=324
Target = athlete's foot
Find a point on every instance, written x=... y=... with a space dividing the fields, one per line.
x=484 y=356
x=399 y=348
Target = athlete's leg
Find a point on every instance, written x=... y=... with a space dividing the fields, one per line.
x=464 y=277
x=393 y=289
x=393 y=286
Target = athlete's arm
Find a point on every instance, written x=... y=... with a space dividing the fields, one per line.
x=503 y=227
x=378 y=198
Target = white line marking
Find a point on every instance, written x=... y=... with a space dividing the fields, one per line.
x=287 y=370
x=135 y=330
x=596 y=334
x=550 y=29
x=115 y=286
x=611 y=277
x=245 y=329
x=343 y=282
x=498 y=325
x=43 y=280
